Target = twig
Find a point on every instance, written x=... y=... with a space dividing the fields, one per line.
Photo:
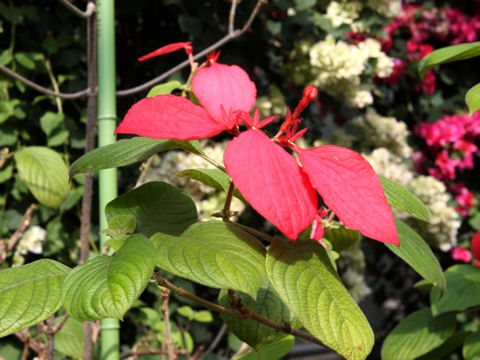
x=233 y=34
x=86 y=92
x=42 y=89
x=62 y=322
x=50 y=348
x=182 y=334
x=215 y=342
x=166 y=317
x=243 y=311
x=136 y=353
x=145 y=169
x=231 y=19
x=91 y=8
x=19 y=232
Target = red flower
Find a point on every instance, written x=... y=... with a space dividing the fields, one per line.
x=476 y=245
x=461 y=254
x=271 y=179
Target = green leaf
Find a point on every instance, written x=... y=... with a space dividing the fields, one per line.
x=129 y=151
x=448 y=54
x=29 y=294
x=157 y=207
x=58 y=137
x=106 y=286
x=267 y=304
x=120 y=227
x=163 y=89
x=471 y=347
x=417 y=334
x=340 y=237
x=69 y=340
x=472 y=98
x=273 y=351
x=25 y=60
x=463 y=290
x=7 y=109
x=303 y=277
x=215 y=178
x=416 y=253
x=216 y=254
x=50 y=121
x=401 y=198
x=45 y=173
x=204 y=316
x=449 y=345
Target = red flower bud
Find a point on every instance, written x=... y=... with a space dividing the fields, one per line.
x=310 y=92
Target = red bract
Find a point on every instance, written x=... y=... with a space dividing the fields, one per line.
x=271 y=179
x=187 y=46
x=221 y=89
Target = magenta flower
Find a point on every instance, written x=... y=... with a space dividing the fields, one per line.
x=278 y=187
x=461 y=254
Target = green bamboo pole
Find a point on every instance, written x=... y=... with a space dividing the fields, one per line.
x=107 y=119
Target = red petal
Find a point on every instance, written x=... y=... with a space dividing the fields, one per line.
x=351 y=188
x=317 y=230
x=222 y=85
x=166 y=49
x=271 y=181
x=169 y=117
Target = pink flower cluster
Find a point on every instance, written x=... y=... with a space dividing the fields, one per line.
x=464 y=255
x=464 y=197
x=451 y=142
x=424 y=27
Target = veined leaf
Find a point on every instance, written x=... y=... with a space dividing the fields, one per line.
x=449 y=345
x=472 y=98
x=471 y=347
x=417 y=334
x=448 y=54
x=164 y=89
x=340 y=237
x=45 y=174
x=463 y=290
x=128 y=151
x=416 y=253
x=216 y=254
x=215 y=178
x=305 y=280
x=267 y=304
x=29 y=294
x=106 y=286
x=69 y=340
x=157 y=207
x=273 y=351
x=401 y=198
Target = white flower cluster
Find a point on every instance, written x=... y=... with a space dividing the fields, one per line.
x=345 y=12
x=385 y=132
x=273 y=104
x=388 y=8
x=337 y=67
x=31 y=241
x=386 y=163
x=442 y=231
x=351 y=264
x=208 y=200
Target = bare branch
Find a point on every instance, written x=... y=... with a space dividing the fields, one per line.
x=243 y=311
x=215 y=342
x=44 y=90
x=231 y=19
x=91 y=8
x=232 y=34
x=18 y=233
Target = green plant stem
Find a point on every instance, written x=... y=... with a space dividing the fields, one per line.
x=243 y=313
x=213 y=162
x=254 y=232
x=54 y=82
x=228 y=201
